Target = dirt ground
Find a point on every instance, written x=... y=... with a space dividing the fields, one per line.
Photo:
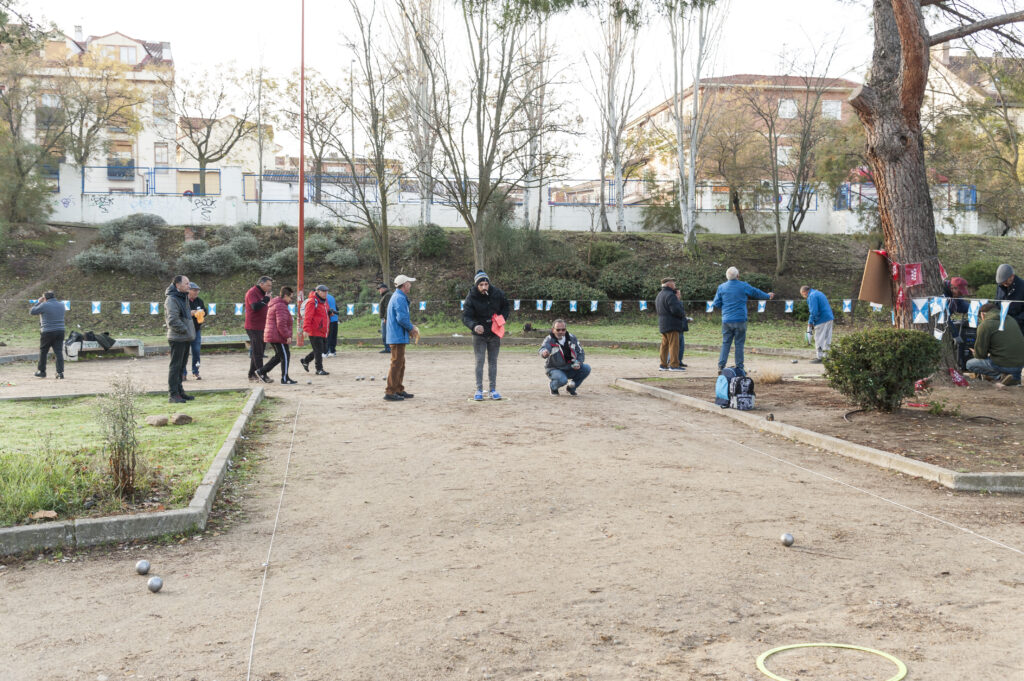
x=607 y=537
x=979 y=428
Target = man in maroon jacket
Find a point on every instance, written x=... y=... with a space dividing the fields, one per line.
x=256 y=300
x=316 y=323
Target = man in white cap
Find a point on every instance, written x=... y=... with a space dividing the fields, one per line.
x=399 y=329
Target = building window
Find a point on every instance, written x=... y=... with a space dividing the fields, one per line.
x=782 y=154
x=161 y=111
x=160 y=154
x=787 y=108
x=128 y=55
x=832 y=108
x=121 y=162
x=48 y=113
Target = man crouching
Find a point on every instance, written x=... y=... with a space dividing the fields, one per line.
x=564 y=365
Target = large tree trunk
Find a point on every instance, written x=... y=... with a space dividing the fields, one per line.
x=889 y=106
x=734 y=197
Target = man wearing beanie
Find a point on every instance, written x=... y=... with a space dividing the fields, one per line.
x=485 y=312
x=1011 y=287
x=51 y=331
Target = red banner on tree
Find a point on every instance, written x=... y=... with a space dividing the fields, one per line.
x=912 y=275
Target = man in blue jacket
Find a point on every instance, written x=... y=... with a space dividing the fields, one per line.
x=332 y=332
x=819 y=321
x=399 y=329
x=731 y=297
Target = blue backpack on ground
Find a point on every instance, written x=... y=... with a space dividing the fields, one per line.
x=722 y=385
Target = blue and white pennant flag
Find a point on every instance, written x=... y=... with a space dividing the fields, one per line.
x=972 y=313
x=710 y=306
x=67 y=304
x=515 y=304
x=423 y=305
x=126 y=307
x=643 y=304
x=593 y=306
x=154 y=308
x=462 y=304
x=919 y=308
x=876 y=307
x=789 y=306
x=1003 y=310
x=572 y=306
x=291 y=308
x=96 y=307
x=238 y=309
x=540 y=304
x=847 y=305
x=762 y=305
x=547 y=304
x=350 y=309
x=376 y=308
x=213 y=309
x=618 y=306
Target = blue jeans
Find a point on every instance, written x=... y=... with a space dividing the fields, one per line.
x=988 y=368
x=384 y=334
x=194 y=347
x=560 y=377
x=732 y=332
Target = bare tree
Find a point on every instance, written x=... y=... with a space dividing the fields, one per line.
x=97 y=96
x=265 y=93
x=479 y=116
x=614 y=86
x=326 y=107
x=214 y=112
x=377 y=86
x=733 y=154
x=414 y=96
x=889 y=106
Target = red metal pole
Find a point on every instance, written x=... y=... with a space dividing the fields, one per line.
x=300 y=284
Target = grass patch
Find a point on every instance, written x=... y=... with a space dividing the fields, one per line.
x=52 y=458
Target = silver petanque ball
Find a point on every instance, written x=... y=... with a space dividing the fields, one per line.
x=787 y=539
x=795 y=361
x=155 y=584
x=142 y=567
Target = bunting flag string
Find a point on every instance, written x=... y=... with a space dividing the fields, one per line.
x=643 y=304
x=972 y=313
x=572 y=306
x=847 y=305
x=593 y=306
x=213 y=309
x=618 y=306
x=126 y=307
x=291 y=308
x=515 y=304
x=96 y=305
x=789 y=307
x=154 y=308
x=238 y=309
x=762 y=305
x=376 y=309
x=423 y=305
x=1004 y=308
x=919 y=309
x=709 y=306
x=350 y=309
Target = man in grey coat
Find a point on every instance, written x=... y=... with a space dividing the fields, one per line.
x=51 y=331
x=671 y=324
x=180 y=334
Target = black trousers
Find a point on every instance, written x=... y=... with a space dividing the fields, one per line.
x=256 y=349
x=282 y=356
x=51 y=340
x=319 y=344
x=179 y=355
x=332 y=338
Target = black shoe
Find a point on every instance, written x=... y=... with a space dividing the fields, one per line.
x=263 y=377
x=321 y=372
x=405 y=395
x=254 y=378
x=305 y=364
x=683 y=365
x=60 y=374
x=288 y=381
x=382 y=352
x=187 y=398
x=554 y=391
x=184 y=377
x=393 y=398
x=176 y=399
x=571 y=391
x=40 y=374
x=196 y=377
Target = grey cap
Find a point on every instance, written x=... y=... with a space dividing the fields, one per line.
x=193 y=285
x=321 y=287
x=1003 y=273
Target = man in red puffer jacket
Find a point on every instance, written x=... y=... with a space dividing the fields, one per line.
x=316 y=322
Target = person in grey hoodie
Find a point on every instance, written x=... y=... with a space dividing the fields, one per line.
x=180 y=334
x=51 y=331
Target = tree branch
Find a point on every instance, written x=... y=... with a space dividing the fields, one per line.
x=970 y=29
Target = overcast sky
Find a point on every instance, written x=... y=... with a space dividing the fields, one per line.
x=756 y=34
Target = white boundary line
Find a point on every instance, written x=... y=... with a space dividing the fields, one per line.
x=277 y=517
x=880 y=498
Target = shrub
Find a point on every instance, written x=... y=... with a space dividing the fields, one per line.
x=318 y=244
x=318 y=226
x=560 y=289
x=283 y=262
x=877 y=368
x=119 y=414
x=139 y=261
x=112 y=232
x=366 y=249
x=139 y=241
x=662 y=216
x=979 y=273
x=603 y=253
x=986 y=291
x=343 y=258
x=244 y=245
x=427 y=241
x=195 y=247
x=625 y=279
x=95 y=259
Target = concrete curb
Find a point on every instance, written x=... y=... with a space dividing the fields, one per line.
x=92 y=531
x=965 y=482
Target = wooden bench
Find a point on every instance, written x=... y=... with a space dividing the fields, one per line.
x=126 y=345
x=240 y=340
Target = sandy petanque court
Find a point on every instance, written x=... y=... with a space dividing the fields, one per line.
x=608 y=537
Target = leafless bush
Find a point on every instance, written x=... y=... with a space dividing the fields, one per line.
x=119 y=415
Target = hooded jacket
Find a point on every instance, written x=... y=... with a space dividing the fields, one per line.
x=557 y=358
x=479 y=308
x=316 y=316
x=279 y=322
x=671 y=313
x=178 y=317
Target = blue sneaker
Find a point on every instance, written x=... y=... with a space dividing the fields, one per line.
x=478 y=396
x=495 y=395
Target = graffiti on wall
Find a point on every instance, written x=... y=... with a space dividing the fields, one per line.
x=102 y=202
x=205 y=207
x=67 y=201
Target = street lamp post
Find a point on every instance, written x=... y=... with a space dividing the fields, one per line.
x=300 y=282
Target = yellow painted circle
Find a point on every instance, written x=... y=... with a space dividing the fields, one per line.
x=901 y=669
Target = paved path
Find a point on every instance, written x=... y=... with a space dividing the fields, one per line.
x=606 y=537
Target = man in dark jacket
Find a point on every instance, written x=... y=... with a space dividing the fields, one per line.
x=997 y=354
x=385 y=298
x=180 y=334
x=1011 y=287
x=51 y=331
x=671 y=323
x=485 y=311
x=256 y=300
x=564 y=355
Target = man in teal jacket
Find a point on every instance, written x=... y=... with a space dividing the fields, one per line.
x=819 y=321
x=731 y=298
x=399 y=330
